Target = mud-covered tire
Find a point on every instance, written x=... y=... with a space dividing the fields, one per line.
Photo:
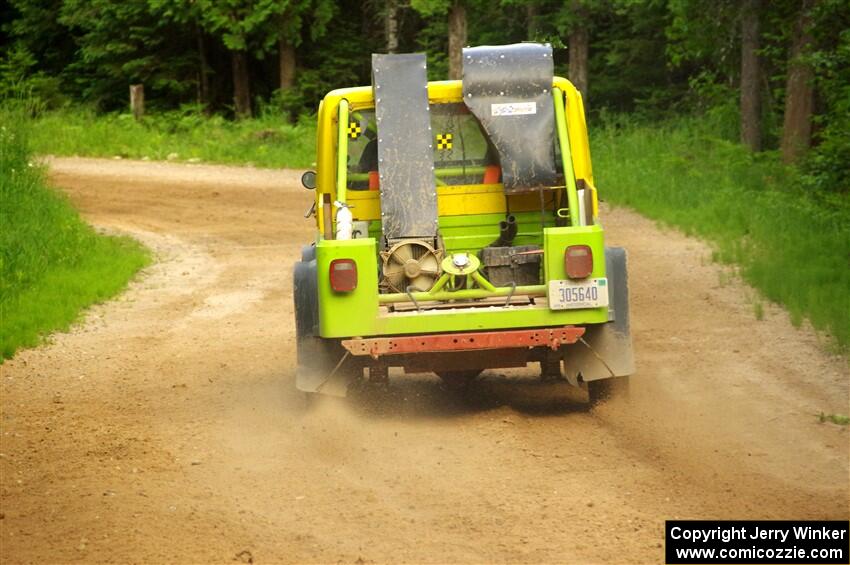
x=305 y=295
x=315 y=355
x=603 y=390
x=458 y=380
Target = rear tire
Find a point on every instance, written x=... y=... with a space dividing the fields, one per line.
x=603 y=390
x=315 y=356
x=305 y=298
x=458 y=380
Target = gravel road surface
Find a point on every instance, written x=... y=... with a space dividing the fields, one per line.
x=165 y=427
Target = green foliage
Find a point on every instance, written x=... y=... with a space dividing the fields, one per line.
x=509 y=24
x=257 y=25
x=242 y=24
x=19 y=81
x=630 y=73
x=704 y=33
x=35 y=32
x=652 y=58
x=838 y=419
x=51 y=263
x=122 y=43
x=433 y=40
x=655 y=58
x=343 y=58
x=828 y=166
x=430 y=8
x=790 y=243
x=184 y=135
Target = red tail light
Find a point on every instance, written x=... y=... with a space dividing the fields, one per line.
x=578 y=261
x=343 y=274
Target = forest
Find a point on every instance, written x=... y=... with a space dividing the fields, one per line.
x=778 y=70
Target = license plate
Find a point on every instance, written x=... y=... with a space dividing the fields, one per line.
x=568 y=295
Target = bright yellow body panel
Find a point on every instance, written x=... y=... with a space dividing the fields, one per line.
x=452 y=200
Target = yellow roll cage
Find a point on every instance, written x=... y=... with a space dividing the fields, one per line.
x=451 y=200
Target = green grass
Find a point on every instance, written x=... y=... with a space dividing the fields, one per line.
x=758 y=310
x=791 y=244
x=52 y=264
x=187 y=135
x=838 y=419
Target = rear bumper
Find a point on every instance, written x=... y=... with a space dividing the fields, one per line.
x=376 y=347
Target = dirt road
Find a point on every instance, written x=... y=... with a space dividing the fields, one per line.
x=166 y=426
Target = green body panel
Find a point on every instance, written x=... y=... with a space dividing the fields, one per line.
x=557 y=239
x=472 y=233
x=357 y=313
x=340 y=313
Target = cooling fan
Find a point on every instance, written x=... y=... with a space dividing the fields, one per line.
x=410 y=263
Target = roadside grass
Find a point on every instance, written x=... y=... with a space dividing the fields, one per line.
x=52 y=264
x=187 y=135
x=790 y=243
x=838 y=419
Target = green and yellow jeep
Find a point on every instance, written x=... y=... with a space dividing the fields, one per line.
x=458 y=230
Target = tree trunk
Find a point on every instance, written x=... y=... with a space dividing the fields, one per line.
x=203 y=71
x=531 y=20
x=287 y=64
x=750 y=76
x=241 y=84
x=392 y=26
x=457 y=38
x=578 y=49
x=799 y=91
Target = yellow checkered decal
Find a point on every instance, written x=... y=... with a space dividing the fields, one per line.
x=354 y=130
x=444 y=141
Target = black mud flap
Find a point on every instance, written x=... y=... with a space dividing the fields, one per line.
x=509 y=89
x=605 y=351
x=322 y=365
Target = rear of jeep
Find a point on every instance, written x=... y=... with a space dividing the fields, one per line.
x=458 y=230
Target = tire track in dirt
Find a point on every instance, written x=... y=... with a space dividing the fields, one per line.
x=165 y=427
